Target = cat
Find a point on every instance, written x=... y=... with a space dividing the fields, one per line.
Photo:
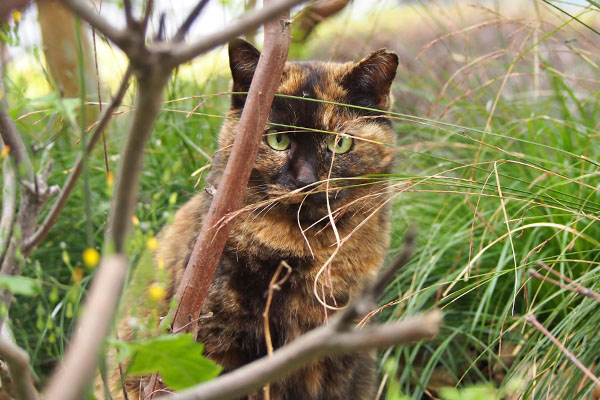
x=286 y=219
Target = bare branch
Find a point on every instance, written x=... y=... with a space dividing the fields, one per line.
x=78 y=366
x=9 y=202
x=18 y=367
x=537 y=325
x=575 y=287
x=210 y=243
x=86 y=13
x=128 y=12
x=185 y=27
x=33 y=241
x=18 y=152
x=318 y=343
x=185 y=53
x=148 y=105
x=313 y=14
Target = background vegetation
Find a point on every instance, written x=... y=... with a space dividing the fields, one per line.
x=498 y=151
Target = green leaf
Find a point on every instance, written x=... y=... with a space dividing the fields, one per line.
x=178 y=359
x=19 y=285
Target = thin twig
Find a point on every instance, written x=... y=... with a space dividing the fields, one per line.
x=537 y=325
x=42 y=231
x=185 y=27
x=575 y=288
x=18 y=366
x=80 y=361
x=184 y=53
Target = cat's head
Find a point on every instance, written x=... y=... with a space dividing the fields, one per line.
x=308 y=138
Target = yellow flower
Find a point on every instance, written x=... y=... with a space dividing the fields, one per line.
x=91 y=257
x=16 y=16
x=5 y=151
x=161 y=263
x=152 y=243
x=156 y=292
x=77 y=274
x=135 y=220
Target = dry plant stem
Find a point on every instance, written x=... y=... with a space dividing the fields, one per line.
x=537 y=325
x=232 y=187
x=79 y=364
x=18 y=366
x=315 y=344
x=42 y=231
x=576 y=288
x=9 y=203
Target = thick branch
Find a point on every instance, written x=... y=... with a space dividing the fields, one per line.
x=185 y=53
x=31 y=242
x=78 y=366
x=18 y=366
x=318 y=343
x=232 y=187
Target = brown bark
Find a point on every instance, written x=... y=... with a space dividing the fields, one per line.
x=232 y=187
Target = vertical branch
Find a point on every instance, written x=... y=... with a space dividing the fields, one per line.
x=149 y=96
x=232 y=187
x=9 y=202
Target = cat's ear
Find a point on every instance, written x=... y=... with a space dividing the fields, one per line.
x=243 y=59
x=369 y=81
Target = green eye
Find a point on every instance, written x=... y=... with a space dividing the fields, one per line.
x=343 y=144
x=278 y=141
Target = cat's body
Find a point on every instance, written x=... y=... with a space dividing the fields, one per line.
x=271 y=229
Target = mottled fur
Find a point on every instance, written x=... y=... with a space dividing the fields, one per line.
x=268 y=230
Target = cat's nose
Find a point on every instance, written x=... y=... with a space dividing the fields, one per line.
x=305 y=175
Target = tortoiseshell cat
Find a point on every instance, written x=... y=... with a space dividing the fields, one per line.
x=291 y=162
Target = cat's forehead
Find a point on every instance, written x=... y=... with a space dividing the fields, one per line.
x=314 y=79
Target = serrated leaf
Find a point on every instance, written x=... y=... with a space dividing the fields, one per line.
x=178 y=359
x=19 y=285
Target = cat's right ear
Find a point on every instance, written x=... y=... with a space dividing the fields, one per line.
x=243 y=59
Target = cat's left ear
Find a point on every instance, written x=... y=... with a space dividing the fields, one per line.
x=243 y=59
x=368 y=83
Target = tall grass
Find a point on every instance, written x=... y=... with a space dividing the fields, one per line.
x=497 y=169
